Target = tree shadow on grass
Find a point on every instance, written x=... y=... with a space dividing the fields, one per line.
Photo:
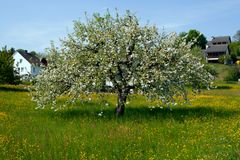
x=12 y=89
x=87 y=109
x=145 y=113
x=180 y=113
x=222 y=87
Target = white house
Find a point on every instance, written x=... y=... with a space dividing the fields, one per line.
x=26 y=63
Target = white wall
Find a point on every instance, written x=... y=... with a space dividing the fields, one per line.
x=227 y=52
x=35 y=70
x=21 y=64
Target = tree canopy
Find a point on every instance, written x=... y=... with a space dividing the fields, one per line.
x=7 y=72
x=236 y=37
x=195 y=37
x=118 y=51
x=235 y=48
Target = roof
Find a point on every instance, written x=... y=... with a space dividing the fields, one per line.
x=31 y=58
x=209 y=43
x=217 y=48
x=221 y=39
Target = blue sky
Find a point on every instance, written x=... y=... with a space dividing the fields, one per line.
x=32 y=24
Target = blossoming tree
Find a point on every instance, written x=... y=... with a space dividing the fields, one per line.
x=118 y=51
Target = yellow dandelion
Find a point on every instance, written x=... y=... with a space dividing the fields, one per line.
x=3 y=115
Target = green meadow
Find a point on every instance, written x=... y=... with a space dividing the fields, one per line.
x=208 y=128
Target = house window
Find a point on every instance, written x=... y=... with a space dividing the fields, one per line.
x=22 y=69
x=20 y=60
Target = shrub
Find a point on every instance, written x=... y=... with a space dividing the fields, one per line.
x=221 y=59
x=233 y=74
x=26 y=82
x=225 y=59
x=211 y=70
x=233 y=57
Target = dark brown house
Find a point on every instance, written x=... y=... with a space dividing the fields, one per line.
x=217 y=47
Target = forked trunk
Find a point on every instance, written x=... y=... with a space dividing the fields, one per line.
x=122 y=97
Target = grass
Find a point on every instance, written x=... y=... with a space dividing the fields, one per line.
x=209 y=128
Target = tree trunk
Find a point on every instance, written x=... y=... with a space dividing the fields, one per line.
x=122 y=97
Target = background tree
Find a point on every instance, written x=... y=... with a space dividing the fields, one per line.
x=39 y=55
x=127 y=56
x=21 y=50
x=195 y=37
x=235 y=48
x=183 y=34
x=236 y=37
x=7 y=72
